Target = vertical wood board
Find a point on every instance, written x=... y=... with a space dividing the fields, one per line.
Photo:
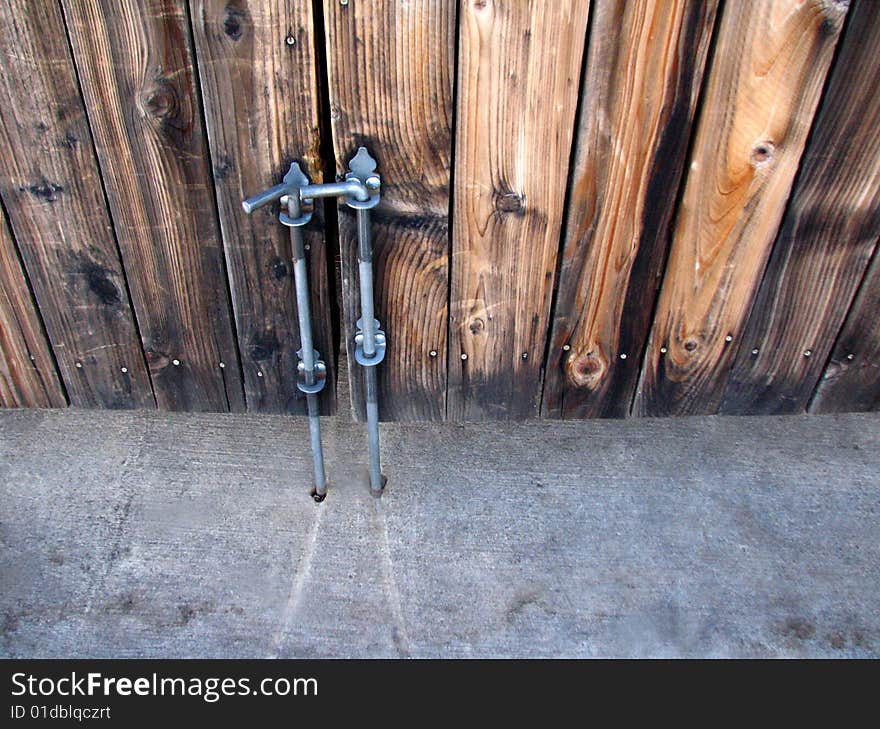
x=390 y=84
x=135 y=66
x=640 y=91
x=28 y=378
x=765 y=82
x=258 y=79
x=519 y=70
x=826 y=240
x=51 y=188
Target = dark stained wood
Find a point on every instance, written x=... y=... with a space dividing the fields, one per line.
x=28 y=378
x=136 y=69
x=519 y=71
x=826 y=241
x=851 y=381
x=765 y=82
x=258 y=78
x=640 y=89
x=390 y=83
x=50 y=186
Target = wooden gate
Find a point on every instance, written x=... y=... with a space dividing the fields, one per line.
x=589 y=209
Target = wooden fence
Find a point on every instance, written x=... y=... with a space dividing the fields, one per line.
x=590 y=209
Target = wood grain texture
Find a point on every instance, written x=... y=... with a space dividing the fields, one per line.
x=851 y=381
x=826 y=240
x=136 y=70
x=640 y=90
x=390 y=82
x=51 y=188
x=261 y=107
x=519 y=72
x=28 y=378
x=765 y=82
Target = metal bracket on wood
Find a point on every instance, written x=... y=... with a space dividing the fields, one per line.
x=360 y=190
x=311 y=372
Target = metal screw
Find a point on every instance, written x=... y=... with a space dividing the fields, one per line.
x=343 y=3
x=123 y=369
x=175 y=362
x=32 y=358
x=623 y=355
x=808 y=352
x=373 y=182
x=566 y=347
x=259 y=374
x=850 y=356
x=464 y=356
x=79 y=365
x=755 y=351
x=290 y=40
x=307 y=247
x=432 y=353
x=728 y=338
x=663 y=350
x=525 y=355
x=222 y=365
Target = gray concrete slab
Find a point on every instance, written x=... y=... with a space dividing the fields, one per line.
x=165 y=535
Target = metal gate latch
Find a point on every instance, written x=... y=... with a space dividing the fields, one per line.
x=311 y=372
x=360 y=190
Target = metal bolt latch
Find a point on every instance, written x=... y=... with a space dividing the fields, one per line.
x=311 y=372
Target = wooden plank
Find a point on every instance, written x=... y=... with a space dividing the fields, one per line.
x=519 y=71
x=826 y=241
x=766 y=79
x=640 y=90
x=28 y=378
x=851 y=381
x=136 y=69
x=50 y=186
x=259 y=84
x=390 y=85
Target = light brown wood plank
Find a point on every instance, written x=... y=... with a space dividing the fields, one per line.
x=390 y=85
x=28 y=378
x=136 y=69
x=51 y=188
x=258 y=79
x=518 y=78
x=765 y=82
x=640 y=90
x=826 y=240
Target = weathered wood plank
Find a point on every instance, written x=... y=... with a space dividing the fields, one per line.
x=851 y=381
x=826 y=241
x=390 y=82
x=519 y=71
x=51 y=189
x=28 y=378
x=766 y=79
x=640 y=90
x=258 y=78
x=136 y=69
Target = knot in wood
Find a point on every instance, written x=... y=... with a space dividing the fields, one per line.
x=507 y=201
x=160 y=99
x=587 y=370
x=762 y=152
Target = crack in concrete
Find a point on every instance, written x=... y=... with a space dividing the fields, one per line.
x=298 y=584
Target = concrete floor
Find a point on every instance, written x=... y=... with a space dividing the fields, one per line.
x=146 y=534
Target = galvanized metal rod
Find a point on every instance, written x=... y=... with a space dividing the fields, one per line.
x=303 y=310
x=368 y=325
x=265 y=197
x=355 y=188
